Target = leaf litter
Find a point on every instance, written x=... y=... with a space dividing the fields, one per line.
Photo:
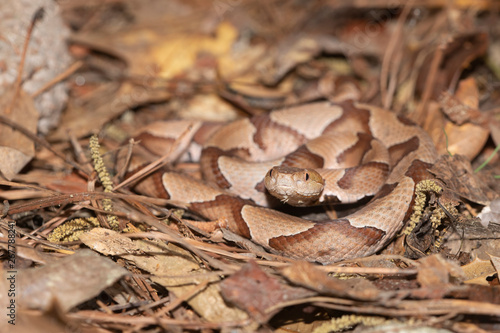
x=223 y=60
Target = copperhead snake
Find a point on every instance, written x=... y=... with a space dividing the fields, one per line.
x=360 y=150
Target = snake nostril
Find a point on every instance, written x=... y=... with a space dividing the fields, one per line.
x=271 y=173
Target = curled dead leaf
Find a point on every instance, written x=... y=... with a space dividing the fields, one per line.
x=16 y=150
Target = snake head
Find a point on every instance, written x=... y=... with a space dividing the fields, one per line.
x=294 y=186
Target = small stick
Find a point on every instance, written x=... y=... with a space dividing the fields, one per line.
x=429 y=83
x=73 y=68
x=130 y=149
x=387 y=92
x=41 y=142
x=36 y=17
x=153 y=166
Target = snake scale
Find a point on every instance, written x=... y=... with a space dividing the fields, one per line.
x=360 y=150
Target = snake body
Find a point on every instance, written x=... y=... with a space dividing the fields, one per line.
x=360 y=150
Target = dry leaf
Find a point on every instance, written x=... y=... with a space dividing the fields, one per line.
x=16 y=150
x=477 y=271
x=155 y=52
x=456 y=57
x=291 y=52
x=463 y=106
x=307 y=275
x=467 y=133
x=494 y=126
x=435 y=276
x=456 y=110
x=255 y=291
x=41 y=322
x=25 y=251
x=490 y=213
x=495 y=260
x=126 y=96
x=467 y=139
x=468 y=93
x=172 y=267
x=459 y=177
x=68 y=282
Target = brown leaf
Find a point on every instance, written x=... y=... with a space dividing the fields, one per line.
x=467 y=139
x=25 y=252
x=307 y=275
x=117 y=100
x=458 y=53
x=459 y=177
x=163 y=54
x=491 y=213
x=478 y=270
x=69 y=281
x=495 y=260
x=53 y=321
x=494 y=126
x=468 y=93
x=434 y=276
x=255 y=291
x=456 y=110
x=292 y=51
x=16 y=149
x=172 y=267
x=468 y=131
x=479 y=293
x=434 y=125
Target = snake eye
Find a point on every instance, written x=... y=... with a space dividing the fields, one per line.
x=307 y=176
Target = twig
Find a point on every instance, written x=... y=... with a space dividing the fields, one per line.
x=429 y=82
x=35 y=238
x=64 y=199
x=400 y=308
x=73 y=68
x=41 y=142
x=174 y=304
x=387 y=60
x=130 y=149
x=136 y=216
x=157 y=164
x=36 y=17
x=30 y=186
x=96 y=317
x=79 y=153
